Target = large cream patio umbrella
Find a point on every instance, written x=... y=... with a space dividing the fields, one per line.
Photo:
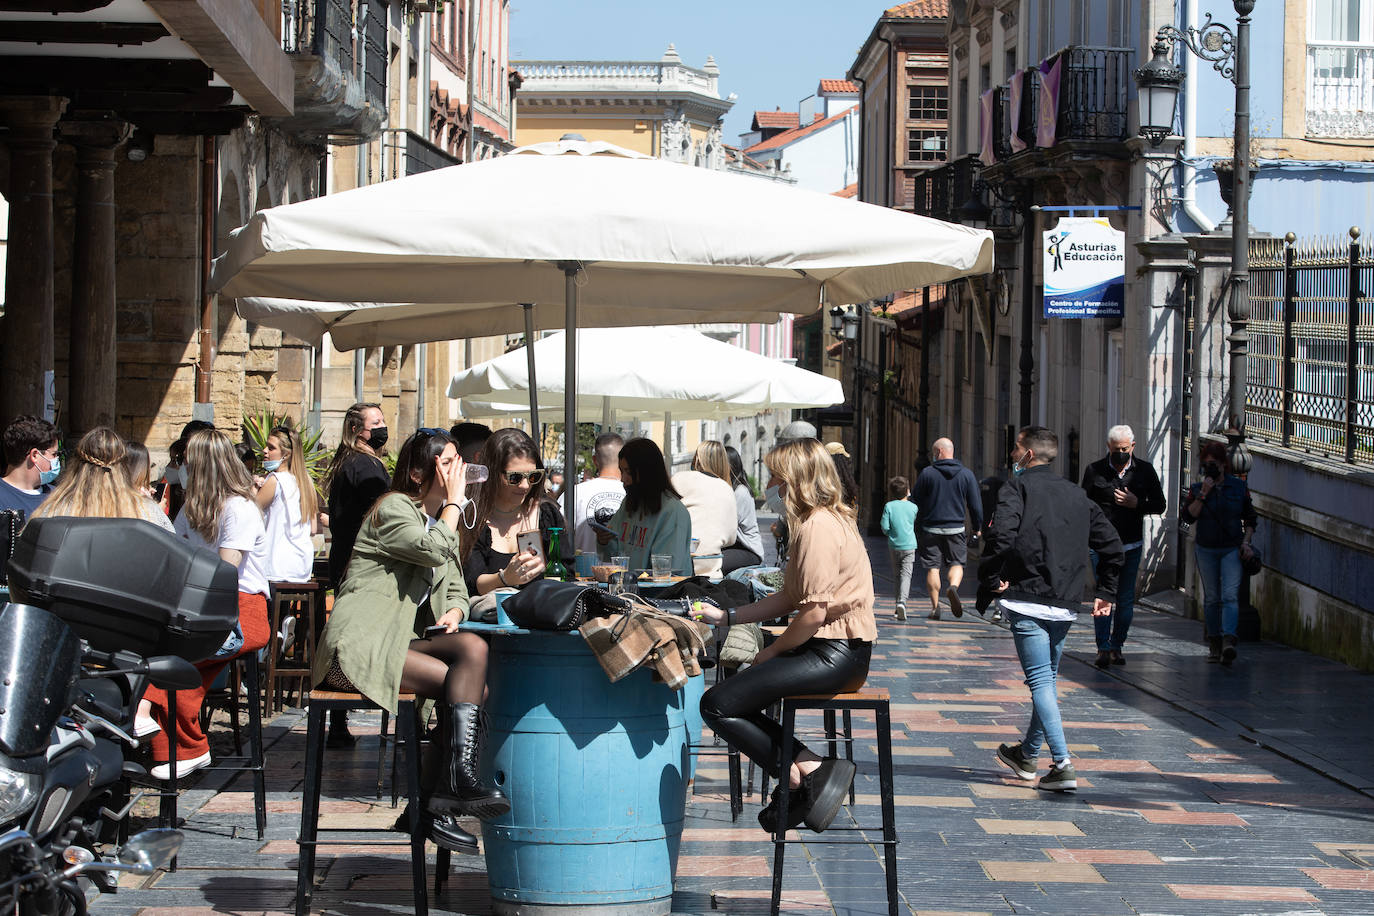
x=605 y=230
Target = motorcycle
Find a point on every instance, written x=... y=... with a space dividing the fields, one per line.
x=65 y=714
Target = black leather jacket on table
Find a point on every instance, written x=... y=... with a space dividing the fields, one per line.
x=1039 y=539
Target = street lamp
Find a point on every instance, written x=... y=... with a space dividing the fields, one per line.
x=1158 y=84
x=851 y=326
x=836 y=322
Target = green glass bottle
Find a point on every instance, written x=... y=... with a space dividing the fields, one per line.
x=556 y=569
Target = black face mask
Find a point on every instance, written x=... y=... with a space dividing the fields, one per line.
x=377 y=437
x=1120 y=459
x=1211 y=469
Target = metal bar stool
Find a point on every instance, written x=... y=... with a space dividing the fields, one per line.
x=243 y=669
x=303 y=601
x=408 y=738
x=874 y=700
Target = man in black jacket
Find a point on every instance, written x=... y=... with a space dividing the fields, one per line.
x=1127 y=489
x=944 y=492
x=1036 y=557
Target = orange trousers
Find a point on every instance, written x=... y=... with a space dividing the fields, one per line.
x=191 y=741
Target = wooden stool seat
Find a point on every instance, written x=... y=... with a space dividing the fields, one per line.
x=875 y=700
x=304 y=601
x=408 y=741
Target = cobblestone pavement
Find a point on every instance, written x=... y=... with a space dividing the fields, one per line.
x=1201 y=790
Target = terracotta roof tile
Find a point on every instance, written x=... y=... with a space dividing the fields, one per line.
x=851 y=191
x=919 y=9
x=784 y=119
x=790 y=136
x=839 y=86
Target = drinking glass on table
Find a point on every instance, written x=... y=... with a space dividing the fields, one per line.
x=663 y=565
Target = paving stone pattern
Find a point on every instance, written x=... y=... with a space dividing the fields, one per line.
x=1201 y=790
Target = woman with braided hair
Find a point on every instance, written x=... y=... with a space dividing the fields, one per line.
x=95 y=483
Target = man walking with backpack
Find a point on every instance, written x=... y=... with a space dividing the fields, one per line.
x=1036 y=558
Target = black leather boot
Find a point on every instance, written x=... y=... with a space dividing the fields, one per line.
x=443 y=829
x=460 y=787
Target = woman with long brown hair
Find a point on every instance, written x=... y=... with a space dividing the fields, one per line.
x=826 y=648
x=355 y=481
x=405 y=576
x=287 y=496
x=95 y=483
x=219 y=514
x=508 y=503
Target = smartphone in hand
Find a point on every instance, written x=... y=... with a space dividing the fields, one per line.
x=604 y=529
x=530 y=540
x=431 y=632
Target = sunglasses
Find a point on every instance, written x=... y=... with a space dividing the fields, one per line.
x=514 y=477
x=431 y=431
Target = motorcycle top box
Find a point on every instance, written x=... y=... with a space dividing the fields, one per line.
x=127 y=584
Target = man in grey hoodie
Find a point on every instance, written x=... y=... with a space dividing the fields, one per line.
x=944 y=492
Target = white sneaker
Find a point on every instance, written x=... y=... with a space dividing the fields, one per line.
x=288 y=634
x=901 y=612
x=184 y=767
x=145 y=726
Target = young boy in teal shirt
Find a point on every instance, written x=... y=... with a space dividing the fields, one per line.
x=899 y=524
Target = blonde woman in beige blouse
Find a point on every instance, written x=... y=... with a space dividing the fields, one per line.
x=828 y=590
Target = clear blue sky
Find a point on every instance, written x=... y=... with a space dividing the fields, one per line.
x=770 y=54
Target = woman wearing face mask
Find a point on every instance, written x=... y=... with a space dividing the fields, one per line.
x=356 y=479
x=826 y=647
x=287 y=495
x=406 y=576
x=748 y=547
x=652 y=518
x=509 y=502
x=1224 y=522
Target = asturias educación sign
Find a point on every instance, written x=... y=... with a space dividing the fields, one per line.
x=1084 y=269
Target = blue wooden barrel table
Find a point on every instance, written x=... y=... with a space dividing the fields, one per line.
x=595 y=773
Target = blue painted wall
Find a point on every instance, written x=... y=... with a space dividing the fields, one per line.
x=1307 y=199
x=1216 y=110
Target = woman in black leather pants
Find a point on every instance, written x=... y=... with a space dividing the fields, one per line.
x=825 y=649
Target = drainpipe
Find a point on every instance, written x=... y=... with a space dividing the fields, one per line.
x=1189 y=192
x=204 y=408
x=473 y=22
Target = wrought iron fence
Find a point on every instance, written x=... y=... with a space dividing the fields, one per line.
x=1310 y=372
x=407 y=153
x=325 y=28
x=1092 y=93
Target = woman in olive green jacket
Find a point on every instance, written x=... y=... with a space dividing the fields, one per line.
x=403 y=577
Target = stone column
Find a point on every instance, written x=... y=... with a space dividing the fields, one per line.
x=92 y=370
x=26 y=351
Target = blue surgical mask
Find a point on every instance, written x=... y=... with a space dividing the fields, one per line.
x=48 y=476
x=772 y=500
x=1017 y=469
x=172 y=476
x=270 y=466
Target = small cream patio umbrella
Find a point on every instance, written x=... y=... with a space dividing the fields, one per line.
x=606 y=230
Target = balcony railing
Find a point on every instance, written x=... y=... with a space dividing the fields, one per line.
x=408 y=153
x=1340 y=90
x=941 y=191
x=1090 y=101
x=625 y=75
x=340 y=73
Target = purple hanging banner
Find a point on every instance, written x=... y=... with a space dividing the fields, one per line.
x=1047 y=112
x=1016 y=87
x=985 y=153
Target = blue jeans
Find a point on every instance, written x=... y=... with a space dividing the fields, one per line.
x=1039 y=645
x=1111 y=630
x=1219 y=568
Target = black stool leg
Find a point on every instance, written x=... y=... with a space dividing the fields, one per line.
x=407 y=726
x=849 y=748
x=255 y=758
x=786 y=753
x=882 y=714
x=736 y=784
x=381 y=753
x=828 y=715
x=310 y=808
x=235 y=684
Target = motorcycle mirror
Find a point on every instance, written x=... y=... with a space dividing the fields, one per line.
x=172 y=672
x=151 y=850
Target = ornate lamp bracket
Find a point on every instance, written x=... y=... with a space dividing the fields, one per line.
x=1211 y=41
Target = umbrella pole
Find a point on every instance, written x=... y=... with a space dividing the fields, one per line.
x=529 y=356
x=570 y=272
x=668 y=440
x=605 y=414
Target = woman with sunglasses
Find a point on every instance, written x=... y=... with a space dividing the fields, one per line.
x=509 y=502
x=287 y=495
x=405 y=577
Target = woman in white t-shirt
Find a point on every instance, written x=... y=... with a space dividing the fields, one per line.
x=291 y=508
x=219 y=514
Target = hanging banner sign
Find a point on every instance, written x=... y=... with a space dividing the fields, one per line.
x=1084 y=269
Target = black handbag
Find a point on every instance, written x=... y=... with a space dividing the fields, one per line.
x=548 y=604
